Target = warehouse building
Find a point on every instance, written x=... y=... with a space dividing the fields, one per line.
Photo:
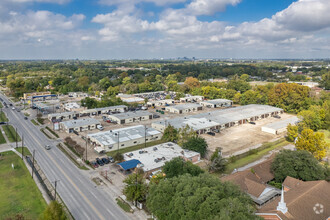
x=195 y=98
x=130 y=98
x=72 y=106
x=154 y=158
x=104 y=110
x=279 y=126
x=220 y=119
x=129 y=117
x=79 y=125
x=183 y=108
x=62 y=116
x=216 y=103
x=157 y=103
x=123 y=137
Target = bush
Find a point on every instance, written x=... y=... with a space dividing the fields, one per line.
x=118 y=157
x=197 y=144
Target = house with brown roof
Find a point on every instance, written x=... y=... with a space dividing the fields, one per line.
x=302 y=200
x=254 y=181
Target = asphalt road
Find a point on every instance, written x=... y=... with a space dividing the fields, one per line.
x=80 y=195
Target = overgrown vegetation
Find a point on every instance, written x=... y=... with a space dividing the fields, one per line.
x=3 y=117
x=53 y=132
x=11 y=133
x=74 y=147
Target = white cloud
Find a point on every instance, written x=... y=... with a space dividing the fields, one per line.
x=40 y=1
x=209 y=7
x=133 y=2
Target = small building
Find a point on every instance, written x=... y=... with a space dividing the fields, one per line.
x=196 y=98
x=78 y=94
x=130 y=98
x=32 y=95
x=104 y=110
x=279 y=126
x=153 y=158
x=129 y=117
x=72 y=106
x=304 y=200
x=216 y=103
x=79 y=125
x=157 y=103
x=62 y=116
x=183 y=108
x=124 y=137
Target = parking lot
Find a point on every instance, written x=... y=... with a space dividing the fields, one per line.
x=243 y=136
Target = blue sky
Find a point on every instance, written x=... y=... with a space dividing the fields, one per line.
x=122 y=29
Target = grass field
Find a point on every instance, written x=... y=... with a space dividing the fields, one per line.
x=3 y=116
x=256 y=156
x=11 y=133
x=34 y=122
x=1 y=106
x=25 y=149
x=2 y=138
x=133 y=148
x=18 y=192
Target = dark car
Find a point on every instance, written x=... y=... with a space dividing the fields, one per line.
x=10 y=104
x=105 y=160
x=94 y=164
x=26 y=118
x=252 y=122
x=3 y=123
x=211 y=133
x=111 y=159
x=277 y=116
x=99 y=162
x=156 y=116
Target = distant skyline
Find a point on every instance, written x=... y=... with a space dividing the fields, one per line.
x=147 y=29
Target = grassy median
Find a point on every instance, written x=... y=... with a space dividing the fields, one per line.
x=3 y=116
x=2 y=138
x=18 y=191
x=11 y=133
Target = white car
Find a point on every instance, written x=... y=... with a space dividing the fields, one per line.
x=13 y=108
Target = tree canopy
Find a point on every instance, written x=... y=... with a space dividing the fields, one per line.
x=170 y=134
x=54 y=211
x=135 y=189
x=297 y=164
x=199 y=197
x=177 y=166
x=197 y=144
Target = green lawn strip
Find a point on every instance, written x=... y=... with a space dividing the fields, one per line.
x=43 y=131
x=1 y=106
x=25 y=149
x=72 y=149
x=18 y=192
x=133 y=148
x=3 y=116
x=124 y=205
x=82 y=167
x=40 y=120
x=265 y=148
x=11 y=133
x=2 y=138
x=34 y=122
x=53 y=132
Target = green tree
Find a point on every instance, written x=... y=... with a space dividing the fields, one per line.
x=170 y=134
x=118 y=157
x=54 y=211
x=292 y=132
x=312 y=119
x=197 y=144
x=312 y=142
x=325 y=82
x=198 y=197
x=185 y=134
x=192 y=82
x=177 y=166
x=297 y=164
x=135 y=188
x=218 y=163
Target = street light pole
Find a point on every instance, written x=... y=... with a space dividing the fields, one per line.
x=118 y=140
x=22 y=146
x=33 y=162
x=145 y=136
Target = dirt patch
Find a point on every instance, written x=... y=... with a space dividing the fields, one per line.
x=243 y=136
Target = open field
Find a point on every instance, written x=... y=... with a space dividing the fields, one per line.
x=3 y=116
x=243 y=136
x=18 y=191
x=2 y=138
x=11 y=133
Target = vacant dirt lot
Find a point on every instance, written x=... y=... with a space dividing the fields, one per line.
x=243 y=136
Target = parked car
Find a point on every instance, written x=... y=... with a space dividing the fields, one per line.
x=3 y=123
x=211 y=133
x=94 y=164
x=26 y=118
x=111 y=159
x=105 y=160
x=74 y=118
x=47 y=147
x=252 y=122
x=277 y=116
x=18 y=110
x=10 y=104
x=99 y=161
x=156 y=116
x=108 y=121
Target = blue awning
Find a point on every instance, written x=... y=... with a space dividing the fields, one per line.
x=126 y=165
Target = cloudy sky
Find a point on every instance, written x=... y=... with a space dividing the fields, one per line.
x=122 y=29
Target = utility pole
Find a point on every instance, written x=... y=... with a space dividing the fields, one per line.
x=33 y=162
x=55 y=189
x=118 y=140
x=145 y=136
x=16 y=136
x=86 y=147
x=22 y=146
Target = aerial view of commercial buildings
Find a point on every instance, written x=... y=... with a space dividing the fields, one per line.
x=174 y=109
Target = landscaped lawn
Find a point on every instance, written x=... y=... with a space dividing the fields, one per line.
x=18 y=191
x=26 y=151
x=253 y=157
x=10 y=133
x=3 y=116
x=2 y=138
